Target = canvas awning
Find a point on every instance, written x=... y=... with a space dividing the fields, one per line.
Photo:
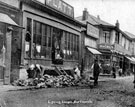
x=132 y=60
x=4 y=18
x=94 y=51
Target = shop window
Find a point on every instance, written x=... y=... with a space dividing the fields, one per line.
x=41 y=40
x=37 y=40
x=44 y=41
x=28 y=38
x=71 y=54
x=65 y=46
x=71 y=46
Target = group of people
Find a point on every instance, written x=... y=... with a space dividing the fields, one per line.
x=96 y=68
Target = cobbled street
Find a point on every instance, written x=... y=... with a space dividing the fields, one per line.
x=111 y=92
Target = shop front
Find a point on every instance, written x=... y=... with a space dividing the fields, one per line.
x=129 y=64
x=90 y=41
x=108 y=57
x=7 y=26
x=90 y=55
x=52 y=36
x=10 y=36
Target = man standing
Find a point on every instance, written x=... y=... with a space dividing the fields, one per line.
x=114 y=71
x=96 y=71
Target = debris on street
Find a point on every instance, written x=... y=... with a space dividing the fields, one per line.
x=48 y=81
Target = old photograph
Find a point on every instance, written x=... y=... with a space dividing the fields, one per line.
x=67 y=53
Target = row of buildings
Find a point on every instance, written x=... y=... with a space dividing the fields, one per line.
x=46 y=32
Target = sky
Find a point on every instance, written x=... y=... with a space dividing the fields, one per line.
x=109 y=11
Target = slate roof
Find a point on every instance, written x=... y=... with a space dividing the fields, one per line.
x=129 y=35
x=93 y=20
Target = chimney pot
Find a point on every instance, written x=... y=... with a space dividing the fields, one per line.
x=98 y=17
x=85 y=14
x=117 y=24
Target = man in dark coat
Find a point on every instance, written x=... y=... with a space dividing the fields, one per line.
x=114 y=71
x=96 y=71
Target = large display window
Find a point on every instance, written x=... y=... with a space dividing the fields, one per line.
x=47 y=42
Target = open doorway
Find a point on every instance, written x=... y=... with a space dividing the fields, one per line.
x=57 y=53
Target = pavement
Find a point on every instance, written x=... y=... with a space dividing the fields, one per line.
x=4 y=88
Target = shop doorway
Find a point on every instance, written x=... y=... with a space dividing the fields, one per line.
x=57 y=53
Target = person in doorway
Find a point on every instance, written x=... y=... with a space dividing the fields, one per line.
x=96 y=71
x=114 y=71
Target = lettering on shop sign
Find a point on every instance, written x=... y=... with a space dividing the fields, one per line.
x=92 y=31
x=61 y=6
x=106 y=46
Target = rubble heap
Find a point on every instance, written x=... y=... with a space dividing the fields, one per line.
x=48 y=81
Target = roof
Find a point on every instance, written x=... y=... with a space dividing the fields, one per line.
x=93 y=20
x=129 y=35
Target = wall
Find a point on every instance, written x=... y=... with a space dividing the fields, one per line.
x=120 y=48
x=112 y=38
x=90 y=42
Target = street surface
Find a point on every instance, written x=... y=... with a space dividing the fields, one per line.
x=111 y=92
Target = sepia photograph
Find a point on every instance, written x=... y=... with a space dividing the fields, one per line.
x=67 y=53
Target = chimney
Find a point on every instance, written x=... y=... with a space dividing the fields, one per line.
x=85 y=14
x=98 y=17
x=117 y=24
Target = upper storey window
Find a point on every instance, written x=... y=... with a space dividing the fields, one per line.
x=106 y=37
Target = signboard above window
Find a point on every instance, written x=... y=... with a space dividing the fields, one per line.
x=92 y=31
x=106 y=46
x=60 y=6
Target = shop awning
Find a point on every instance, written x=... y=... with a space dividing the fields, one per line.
x=94 y=51
x=132 y=60
x=6 y=19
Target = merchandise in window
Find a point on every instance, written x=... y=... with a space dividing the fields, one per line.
x=28 y=39
x=71 y=51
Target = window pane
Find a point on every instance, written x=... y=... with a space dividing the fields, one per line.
x=37 y=36
x=43 y=52
x=28 y=38
x=48 y=36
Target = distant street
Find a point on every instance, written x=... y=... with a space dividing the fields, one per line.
x=117 y=92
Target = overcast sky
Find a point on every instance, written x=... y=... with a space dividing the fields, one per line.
x=109 y=11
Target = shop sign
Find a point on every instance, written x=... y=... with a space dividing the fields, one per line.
x=92 y=31
x=106 y=46
x=61 y=6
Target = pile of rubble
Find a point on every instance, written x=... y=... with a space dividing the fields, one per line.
x=48 y=81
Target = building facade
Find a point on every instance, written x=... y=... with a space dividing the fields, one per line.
x=10 y=37
x=115 y=45
x=91 y=36
x=52 y=36
x=49 y=36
